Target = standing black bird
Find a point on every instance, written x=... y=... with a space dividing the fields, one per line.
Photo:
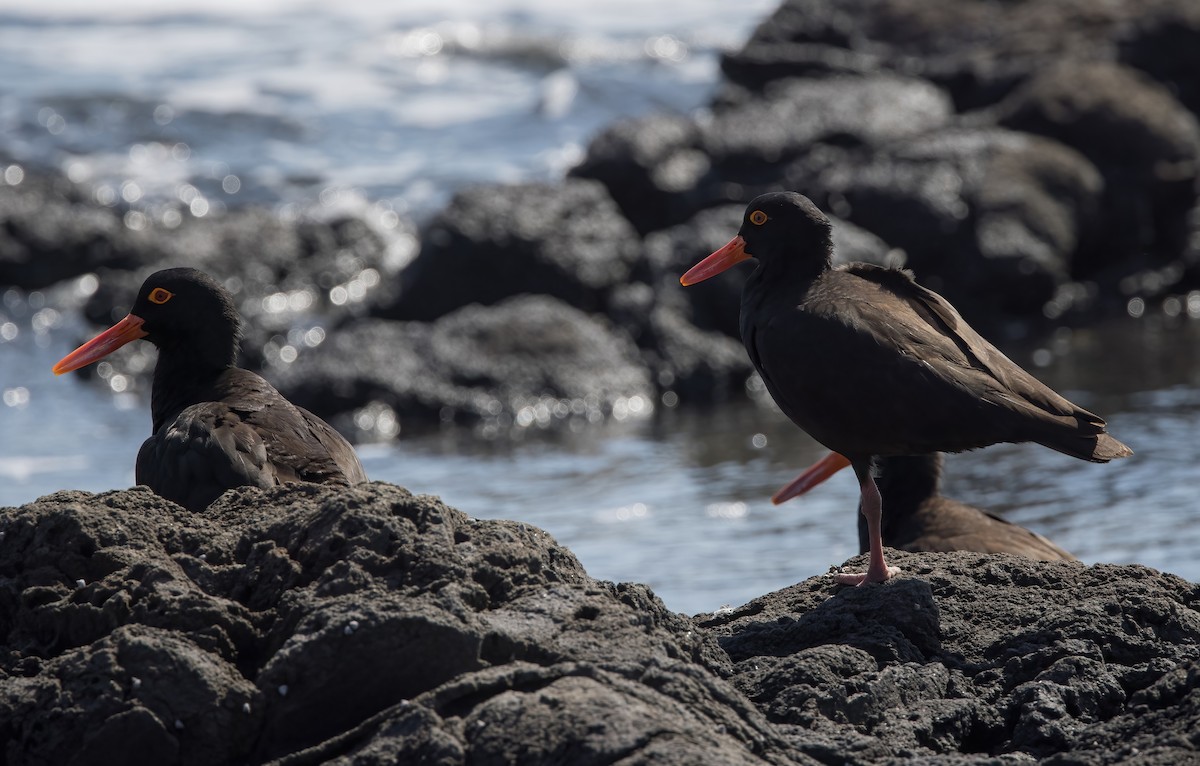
x=215 y=426
x=870 y=363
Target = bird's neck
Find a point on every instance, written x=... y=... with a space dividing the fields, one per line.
x=183 y=378
x=787 y=271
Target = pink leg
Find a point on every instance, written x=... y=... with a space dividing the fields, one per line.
x=872 y=508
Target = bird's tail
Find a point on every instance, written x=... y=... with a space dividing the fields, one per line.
x=1098 y=448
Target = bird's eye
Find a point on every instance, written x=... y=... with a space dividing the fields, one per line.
x=758 y=218
x=160 y=296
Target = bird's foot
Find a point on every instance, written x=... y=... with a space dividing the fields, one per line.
x=869 y=576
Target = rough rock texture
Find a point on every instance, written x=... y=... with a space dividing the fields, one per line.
x=528 y=361
x=993 y=218
x=50 y=231
x=977 y=49
x=979 y=655
x=1144 y=142
x=311 y=624
x=366 y=624
x=565 y=240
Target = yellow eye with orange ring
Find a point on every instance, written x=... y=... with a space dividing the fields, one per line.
x=160 y=296
x=758 y=218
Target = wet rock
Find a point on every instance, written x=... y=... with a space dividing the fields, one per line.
x=377 y=627
x=750 y=140
x=1165 y=44
x=689 y=364
x=661 y=170
x=50 y=230
x=653 y=169
x=995 y=220
x=968 y=656
x=527 y=361
x=977 y=50
x=566 y=240
x=1144 y=142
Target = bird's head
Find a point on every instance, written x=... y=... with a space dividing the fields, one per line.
x=781 y=229
x=178 y=310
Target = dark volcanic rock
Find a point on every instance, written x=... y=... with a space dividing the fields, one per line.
x=50 y=230
x=662 y=169
x=365 y=625
x=1165 y=43
x=566 y=240
x=653 y=168
x=993 y=218
x=752 y=138
x=1144 y=142
x=974 y=654
x=976 y=49
x=528 y=361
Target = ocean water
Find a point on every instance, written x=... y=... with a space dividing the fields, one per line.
x=188 y=109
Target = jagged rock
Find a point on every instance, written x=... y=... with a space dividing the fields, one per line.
x=653 y=169
x=50 y=230
x=978 y=50
x=1144 y=142
x=567 y=240
x=996 y=220
x=527 y=361
x=365 y=625
x=979 y=654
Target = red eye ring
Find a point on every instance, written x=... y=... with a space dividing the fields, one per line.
x=758 y=218
x=160 y=296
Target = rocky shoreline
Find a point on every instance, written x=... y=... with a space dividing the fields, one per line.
x=1041 y=174
x=315 y=625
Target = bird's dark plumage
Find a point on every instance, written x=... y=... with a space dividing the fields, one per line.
x=870 y=363
x=215 y=426
x=917 y=517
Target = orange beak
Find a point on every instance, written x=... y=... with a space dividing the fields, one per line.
x=732 y=253
x=814 y=475
x=128 y=329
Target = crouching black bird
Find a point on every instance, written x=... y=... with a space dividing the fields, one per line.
x=215 y=425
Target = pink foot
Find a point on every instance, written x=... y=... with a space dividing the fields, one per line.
x=862 y=578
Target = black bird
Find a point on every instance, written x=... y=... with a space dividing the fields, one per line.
x=870 y=363
x=919 y=517
x=215 y=426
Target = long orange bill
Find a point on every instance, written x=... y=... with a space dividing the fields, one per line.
x=128 y=329
x=812 y=476
x=734 y=252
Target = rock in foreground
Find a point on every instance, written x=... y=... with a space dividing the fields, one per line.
x=369 y=626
